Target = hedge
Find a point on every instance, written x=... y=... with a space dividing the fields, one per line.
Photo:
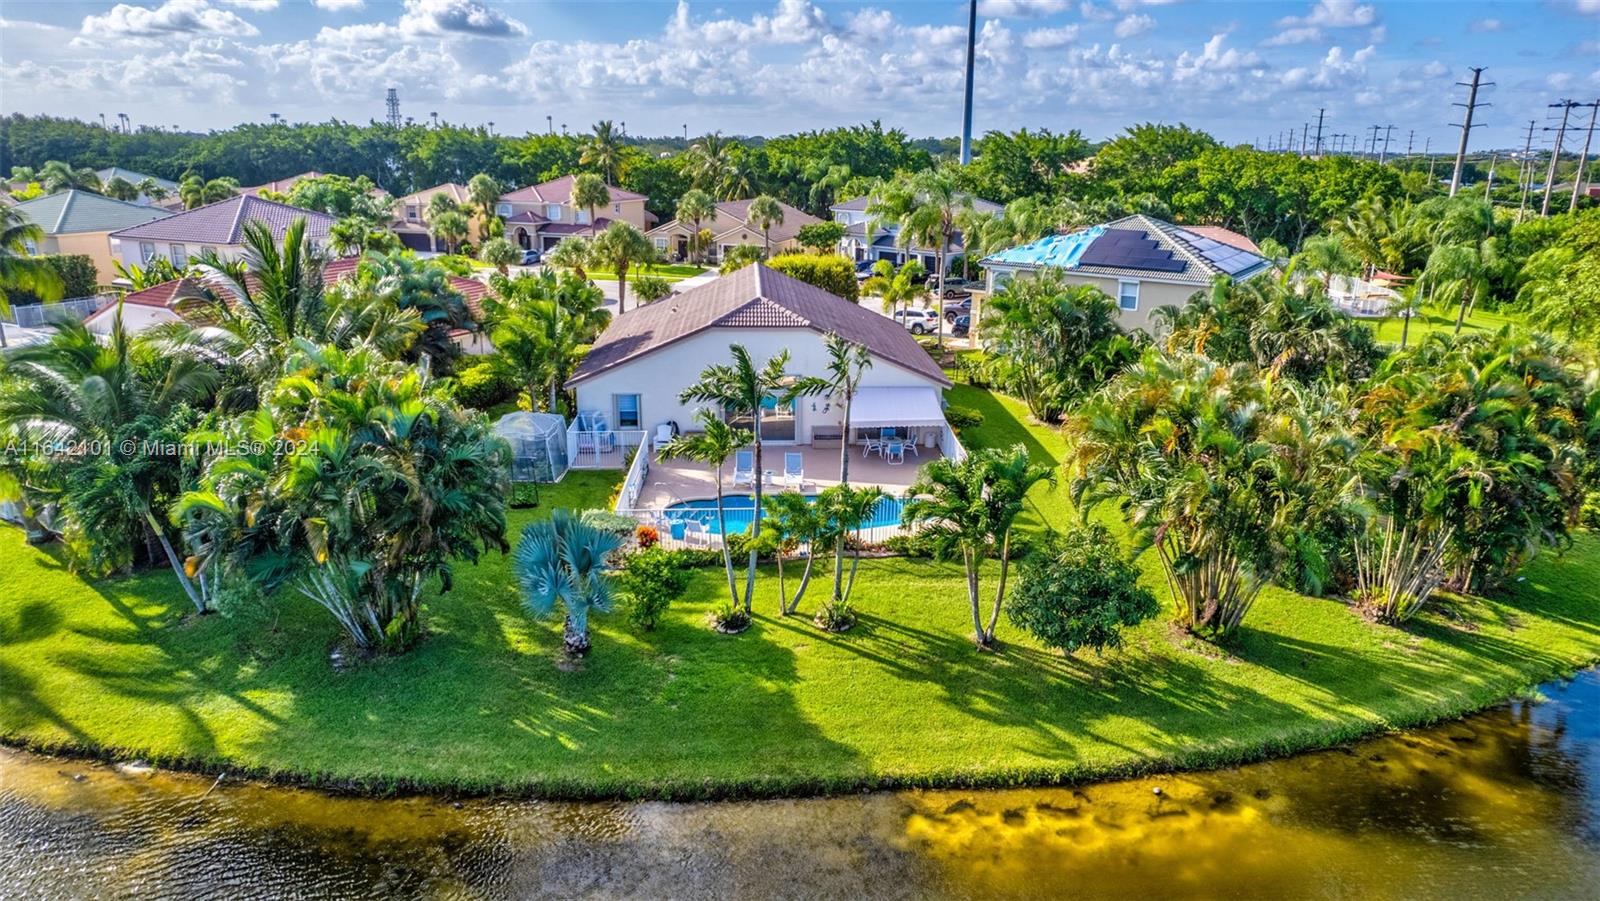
x=79 y=278
x=830 y=272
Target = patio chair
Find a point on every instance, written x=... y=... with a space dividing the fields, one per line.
x=872 y=446
x=744 y=467
x=664 y=433
x=895 y=452
x=695 y=534
x=794 y=470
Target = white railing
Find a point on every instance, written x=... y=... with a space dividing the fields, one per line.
x=605 y=449
x=638 y=474
x=950 y=445
x=34 y=315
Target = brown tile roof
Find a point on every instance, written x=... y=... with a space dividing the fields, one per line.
x=559 y=190
x=457 y=192
x=733 y=215
x=752 y=297
x=1224 y=236
x=223 y=222
x=471 y=290
x=166 y=294
x=282 y=185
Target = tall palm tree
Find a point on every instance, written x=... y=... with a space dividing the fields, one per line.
x=589 y=191
x=848 y=361
x=197 y=192
x=896 y=287
x=927 y=206
x=619 y=247
x=744 y=388
x=711 y=166
x=1329 y=255
x=1012 y=474
x=119 y=188
x=948 y=504
x=483 y=192
x=571 y=254
x=19 y=269
x=845 y=510
x=696 y=206
x=451 y=227
x=712 y=445
x=56 y=176
x=603 y=149
x=797 y=522
x=765 y=212
x=564 y=559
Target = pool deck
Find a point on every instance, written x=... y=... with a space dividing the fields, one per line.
x=675 y=480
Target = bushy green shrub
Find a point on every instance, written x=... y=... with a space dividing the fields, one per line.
x=973 y=366
x=483 y=385
x=653 y=578
x=649 y=288
x=606 y=521
x=830 y=272
x=78 y=277
x=962 y=417
x=1079 y=591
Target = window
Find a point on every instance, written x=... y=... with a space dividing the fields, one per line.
x=503 y=209
x=412 y=213
x=552 y=211
x=31 y=247
x=581 y=217
x=1128 y=295
x=661 y=244
x=180 y=256
x=627 y=410
x=147 y=251
x=616 y=208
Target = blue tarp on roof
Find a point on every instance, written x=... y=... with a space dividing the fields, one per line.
x=1061 y=251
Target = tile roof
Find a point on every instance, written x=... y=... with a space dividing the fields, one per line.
x=733 y=215
x=166 y=294
x=133 y=177
x=527 y=217
x=1161 y=250
x=1224 y=236
x=457 y=192
x=859 y=205
x=223 y=222
x=559 y=190
x=752 y=297
x=574 y=228
x=282 y=185
x=74 y=211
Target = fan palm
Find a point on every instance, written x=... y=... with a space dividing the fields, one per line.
x=696 y=206
x=926 y=205
x=589 y=191
x=619 y=247
x=483 y=192
x=451 y=227
x=765 y=212
x=603 y=150
x=564 y=560
x=572 y=254
x=712 y=445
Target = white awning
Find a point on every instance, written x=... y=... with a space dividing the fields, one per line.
x=896 y=407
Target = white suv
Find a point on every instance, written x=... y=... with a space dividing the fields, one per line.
x=918 y=322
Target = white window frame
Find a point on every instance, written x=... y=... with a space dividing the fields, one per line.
x=413 y=212
x=552 y=211
x=661 y=243
x=503 y=209
x=179 y=255
x=638 y=410
x=580 y=217
x=147 y=251
x=1122 y=286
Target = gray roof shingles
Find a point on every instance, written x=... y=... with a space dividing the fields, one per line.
x=223 y=222
x=753 y=297
x=74 y=211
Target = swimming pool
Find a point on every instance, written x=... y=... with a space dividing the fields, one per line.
x=738 y=510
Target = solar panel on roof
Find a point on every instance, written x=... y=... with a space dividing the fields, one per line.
x=1127 y=249
x=1225 y=257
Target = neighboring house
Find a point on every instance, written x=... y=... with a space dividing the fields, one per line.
x=282 y=185
x=539 y=216
x=186 y=299
x=1144 y=263
x=883 y=243
x=411 y=216
x=81 y=222
x=647 y=356
x=729 y=229
x=218 y=226
x=134 y=178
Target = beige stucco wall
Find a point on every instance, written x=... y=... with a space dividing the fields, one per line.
x=1153 y=294
x=94 y=245
x=629 y=211
x=725 y=231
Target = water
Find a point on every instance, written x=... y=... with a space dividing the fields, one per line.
x=738 y=510
x=1503 y=804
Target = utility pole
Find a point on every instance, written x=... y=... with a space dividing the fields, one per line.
x=1320 y=112
x=1577 y=175
x=1466 y=126
x=1372 y=142
x=1555 y=153
x=1410 y=139
x=1387 y=131
x=966 y=109
x=1427 y=145
x=1527 y=161
x=550 y=126
x=1489 y=185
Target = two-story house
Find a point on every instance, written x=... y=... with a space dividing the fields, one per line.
x=411 y=216
x=539 y=216
x=883 y=241
x=184 y=237
x=730 y=227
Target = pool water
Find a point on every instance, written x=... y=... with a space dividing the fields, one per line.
x=739 y=509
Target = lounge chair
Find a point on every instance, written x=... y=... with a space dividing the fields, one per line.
x=695 y=534
x=744 y=467
x=794 y=470
x=664 y=433
x=895 y=452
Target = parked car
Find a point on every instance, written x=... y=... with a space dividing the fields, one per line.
x=918 y=322
x=864 y=269
x=957 y=308
x=530 y=257
x=961 y=327
x=956 y=288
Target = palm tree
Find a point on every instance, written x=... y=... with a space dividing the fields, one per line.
x=196 y=192
x=149 y=188
x=603 y=149
x=408 y=284
x=564 y=559
x=796 y=522
x=765 y=212
x=927 y=206
x=619 y=247
x=55 y=176
x=848 y=361
x=19 y=269
x=743 y=388
x=845 y=510
x=572 y=254
x=589 y=191
x=483 y=192
x=1370 y=231
x=896 y=287
x=1328 y=254
x=1012 y=474
x=499 y=253
x=949 y=504
x=450 y=227
x=710 y=166
x=119 y=188
x=696 y=206
x=713 y=445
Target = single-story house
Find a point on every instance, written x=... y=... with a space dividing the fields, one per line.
x=1143 y=262
x=647 y=356
x=282 y=185
x=219 y=226
x=81 y=222
x=730 y=227
x=862 y=241
x=136 y=178
x=538 y=216
x=410 y=223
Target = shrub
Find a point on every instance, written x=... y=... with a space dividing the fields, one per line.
x=483 y=385
x=830 y=272
x=646 y=537
x=1079 y=591
x=821 y=237
x=606 y=521
x=649 y=288
x=973 y=366
x=78 y=278
x=653 y=578
x=962 y=417
x=739 y=257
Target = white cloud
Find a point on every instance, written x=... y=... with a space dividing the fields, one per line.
x=1335 y=14
x=1046 y=38
x=1435 y=69
x=1378 y=34
x=255 y=6
x=338 y=5
x=1588 y=7
x=1486 y=26
x=170 y=18
x=1021 y=9
x=1213 y=58
x=444 y=18
x=792 y=22
x=1134 y=25
x=1299 y=34
x=1095 y=13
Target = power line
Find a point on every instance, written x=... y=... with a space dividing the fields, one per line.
x=1555 y=153
x=1387 y=131
x=1527 y=161
x=1466 y=125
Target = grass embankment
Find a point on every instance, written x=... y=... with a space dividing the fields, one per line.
x=486 y=703
x=672 y=272
x=1389 y=328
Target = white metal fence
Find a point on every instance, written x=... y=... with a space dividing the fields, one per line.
x=603 y=449
x=34 y=315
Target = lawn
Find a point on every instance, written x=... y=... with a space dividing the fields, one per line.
x=672 y=272
x=486 y=702
x=1388 y=329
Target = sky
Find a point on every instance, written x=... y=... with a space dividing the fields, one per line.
x=1240 y=70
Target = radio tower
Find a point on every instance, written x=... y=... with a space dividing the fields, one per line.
x=392 y=102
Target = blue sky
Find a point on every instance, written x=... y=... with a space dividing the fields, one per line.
x=1240 y=70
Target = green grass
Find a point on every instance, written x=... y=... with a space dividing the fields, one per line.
x=1388 y=329
x=118 y=667
x=673 y=272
